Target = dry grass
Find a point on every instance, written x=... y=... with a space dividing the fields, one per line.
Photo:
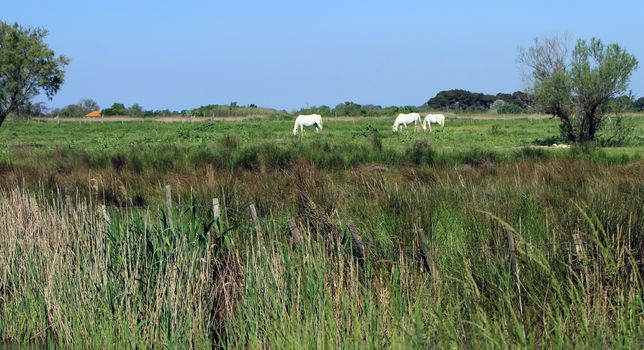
x=154 y=277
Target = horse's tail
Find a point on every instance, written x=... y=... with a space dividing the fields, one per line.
x=320 y=123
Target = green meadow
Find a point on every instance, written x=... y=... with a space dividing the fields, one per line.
x=479 y=235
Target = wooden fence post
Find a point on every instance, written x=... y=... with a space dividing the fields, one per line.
x=358 y=244
x=168 y=196
x=253 y=216
x=579 y=247
x=168 y=201
x=296 y=237
x=215 y=208
x=426 y=256
x=512 y=247
x=581 y=257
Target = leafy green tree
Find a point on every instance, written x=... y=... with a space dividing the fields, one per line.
x=620 y=104
x=27 y=67
x=638 y=105
x=461 y=100
x=88 y=105
x=79 y=109
x=135 y=110
x=38 y=109
x=577 y=87
x=116 y=109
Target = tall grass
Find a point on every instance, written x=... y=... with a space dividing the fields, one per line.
x=74 y=275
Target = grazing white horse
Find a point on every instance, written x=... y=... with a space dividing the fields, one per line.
x=403 y=119
x=433 y=118
x=303 y=120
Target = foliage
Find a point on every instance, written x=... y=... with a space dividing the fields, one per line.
x=638 y=105
x=135 y=110
x=232 y=109
x=161 y=275
x=357 y=110
x=618 y=131
x=578 y=88
x=420 y=152
x=463 y=100
x=509 y=108
x=79 y=109
x=115 y=109
x=28 y=67
x=170 y=274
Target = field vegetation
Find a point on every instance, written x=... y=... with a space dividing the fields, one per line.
x=96 y=251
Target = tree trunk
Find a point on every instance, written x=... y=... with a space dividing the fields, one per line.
x=566 y=128
x=592 y=127
x=2 y=117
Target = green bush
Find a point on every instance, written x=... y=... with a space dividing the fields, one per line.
x=420 y=152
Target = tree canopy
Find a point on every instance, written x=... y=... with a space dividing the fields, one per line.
x=579 y=87
x=28 y=67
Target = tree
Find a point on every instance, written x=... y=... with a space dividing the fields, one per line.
x=577 y=87
x=29 y=109
x=462 y=100
x=27 y=67
x=88 y=105
x=638 y=105
x=116 y=109
x=135 y=110
x=77 y=109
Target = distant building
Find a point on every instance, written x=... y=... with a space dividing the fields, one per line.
x=94 y=114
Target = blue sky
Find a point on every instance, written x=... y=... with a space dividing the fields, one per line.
x=290 y=54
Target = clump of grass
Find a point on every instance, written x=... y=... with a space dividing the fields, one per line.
x=376 y=142
x=532 y=153
x=229 y=142
x=118 y=162
x=420 y=152
x=480 y=158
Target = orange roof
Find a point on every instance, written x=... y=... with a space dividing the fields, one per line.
x=93 y=114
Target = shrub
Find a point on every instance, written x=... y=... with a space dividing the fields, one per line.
x=509 y=108
x=420 y=152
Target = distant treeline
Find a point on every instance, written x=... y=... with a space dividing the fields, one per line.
x=88 y=105
x=517 y=102
x=456 y=100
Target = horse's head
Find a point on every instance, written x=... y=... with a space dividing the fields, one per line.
x=295 y=131
x=394 y=128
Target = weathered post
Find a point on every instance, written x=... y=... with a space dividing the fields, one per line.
x=253 y=215
x=514 y=266
x=168 y=201
x=296 y=237
x=426 y=256
x=357 y=242
x=215 y=208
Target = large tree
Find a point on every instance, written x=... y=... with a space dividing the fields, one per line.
x=577 y=87
x=28 y=67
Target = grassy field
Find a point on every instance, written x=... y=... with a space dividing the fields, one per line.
x=93 y=253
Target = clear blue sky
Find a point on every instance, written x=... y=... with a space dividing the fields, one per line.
x=287 y=54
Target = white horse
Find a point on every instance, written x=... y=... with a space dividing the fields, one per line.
x=433 y=118
x=303 y=120
x=403 y=119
